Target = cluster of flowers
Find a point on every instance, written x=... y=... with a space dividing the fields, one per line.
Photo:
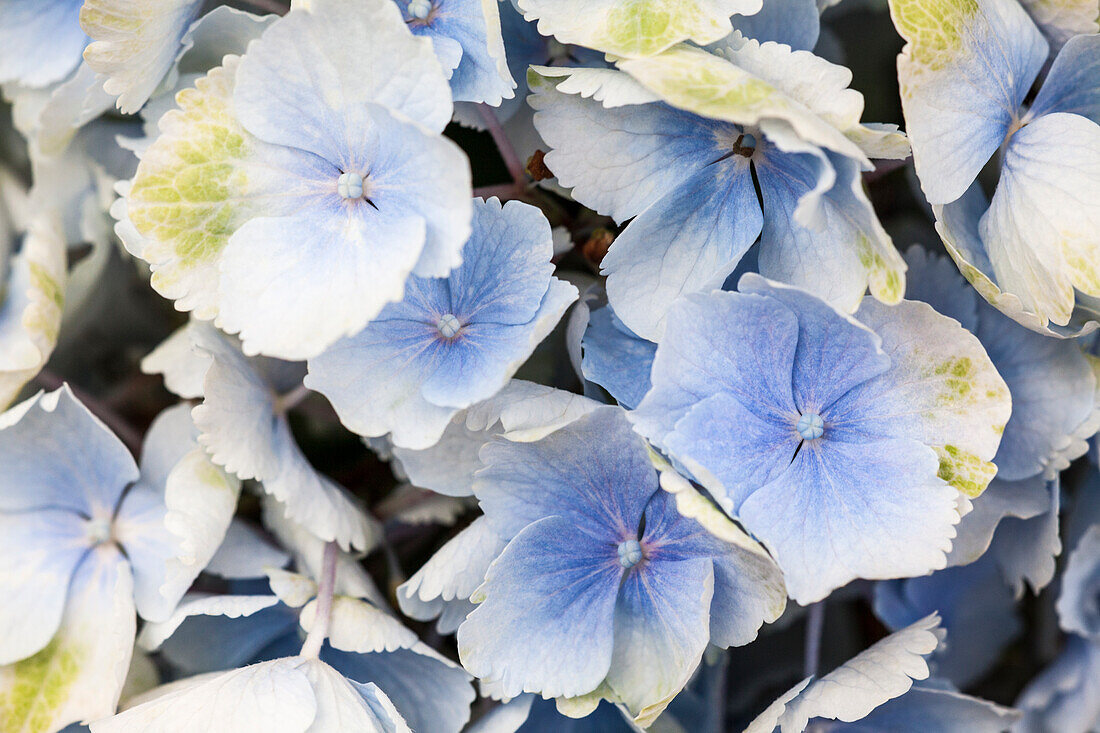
x=753 y=396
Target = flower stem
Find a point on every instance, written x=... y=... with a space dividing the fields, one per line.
x=815 y=625
x=507 y=153
x=286 y=402
x=319 y=631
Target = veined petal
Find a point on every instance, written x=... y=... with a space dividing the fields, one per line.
x=964 y=73
x=617 y=359
x=1069 y=85
x=40 y=43
x=1041 y=227
x=688 y=241
x=544 y=619
x=481 y=74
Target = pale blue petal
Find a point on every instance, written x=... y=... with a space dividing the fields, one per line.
x=213 y=643
x=1077 y=607
x=934 y=280
x=59 y=455
x=433 y=696
x=1066 y=695
x=40 y=40
x=1070 y=85
x=796 y=23
x=515 y=239
x=883 y=513
x=39 y=553
x=1027 y=549
x=1053 y=397
x=978 y=610
x=595 y=472
x=835 y=353
x=170 y=437
x=620 y=161
x=714 y=343
x=962 y=83
x=687 y=241
x=662 y=626
x=924 y=709
x=545 y=623
x=1000 y=501
x=616 y=359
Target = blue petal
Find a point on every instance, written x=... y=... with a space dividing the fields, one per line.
x=662 y=626
x=58 y=455
x=1066 y=695
x=478 y=76
x=616 y=359
x=1077 y=607
x=40 y=40
x=978 y=611
x=1071 y=85
x=595 y=472
x=934 y=280
x=545 y=624
x=686 y=242
x=928 y=709
x=878 y=511
x=433 y=696
x=214 y=643
x=796 y=23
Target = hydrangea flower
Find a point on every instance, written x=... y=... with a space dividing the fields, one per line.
x=1055 y=385
x=824 y=435
x=604 y=589
x=452 y=341
x=135 y=43
x=243 y=425
x=466 y=36
x=1032 y=250
x=635 y=28
x=32 y=295
x=88 y=539
x=1066 y=695
x=658 y=143
x=242 y=200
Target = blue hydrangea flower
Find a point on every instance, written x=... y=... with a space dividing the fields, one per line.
x=466 y=36
x=1055 y=386
x=1033 y=249
x=86 y=539
x=40 y=41
x=452 y=341
x=658 y=144
x=312 y=165
x=1079 y=603
x=824 y=435
x=604 y=589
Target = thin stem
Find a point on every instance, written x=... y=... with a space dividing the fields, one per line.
x=503 y=191
x=815 y=625
x=127 y=433
x=269 y=6
x=507 y=153
x=317 y=633
x=291 y=399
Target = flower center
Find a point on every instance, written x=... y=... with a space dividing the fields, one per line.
x=448 y=325
x=350 y=186
x=810 y=426
x=630 y=553
x=419 y=9
x=98 y=530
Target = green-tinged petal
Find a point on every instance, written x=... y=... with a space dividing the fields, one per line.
x=633 y=28
x=30 y=307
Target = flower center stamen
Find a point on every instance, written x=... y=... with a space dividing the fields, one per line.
x=98 y=530
x=630 y=553
x=350 y=186
x=448 y=325
x=420 y=9
x=810 y=426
